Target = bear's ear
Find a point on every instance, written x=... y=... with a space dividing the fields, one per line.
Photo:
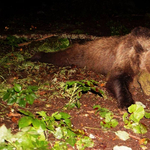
x=138 y=47
x=140 y=32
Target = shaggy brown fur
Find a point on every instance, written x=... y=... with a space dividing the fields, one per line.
x=120 y=58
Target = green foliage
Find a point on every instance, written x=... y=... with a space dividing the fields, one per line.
x=132 y=121
x=108 y=121
x=63 y=43
x=20 y=96
x=27 y=138
x=13 y=41
x=75 y=89
x=147 y=115
x=74 y=93
x=33 y=132
x=54 y=45
x=83 y=142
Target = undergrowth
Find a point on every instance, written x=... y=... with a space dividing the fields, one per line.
x=74 y=90
x=34 y=133
x=42 y=131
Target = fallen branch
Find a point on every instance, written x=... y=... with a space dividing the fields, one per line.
x=134 y=137
x=43 y=38
x=40 y=37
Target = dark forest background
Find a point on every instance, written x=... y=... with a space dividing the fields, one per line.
x=19 y=12
x=72 y=8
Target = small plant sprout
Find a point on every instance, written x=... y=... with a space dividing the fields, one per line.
x=108 y=121
x=133 y=120
x=74 y=90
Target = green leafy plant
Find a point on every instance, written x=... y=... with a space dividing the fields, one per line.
x=62 y=43
x=13 y=41
x=83 y=142
x=54 y=45
x=20 y=96
x=132 y=120
x=34 y=132
x=74 y=94
x=75 y=89
x=27 y=138
x=108 y=121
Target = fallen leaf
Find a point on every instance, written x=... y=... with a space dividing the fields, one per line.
x=123 y=135
x=142 y=141
x=121 y=148
x=102 y=84
x=14 y=119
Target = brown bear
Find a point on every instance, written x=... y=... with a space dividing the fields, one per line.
x=119 y=58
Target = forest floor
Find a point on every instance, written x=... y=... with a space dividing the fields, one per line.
x=51 y=99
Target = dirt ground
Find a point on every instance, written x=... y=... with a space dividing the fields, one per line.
x=85 y=117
